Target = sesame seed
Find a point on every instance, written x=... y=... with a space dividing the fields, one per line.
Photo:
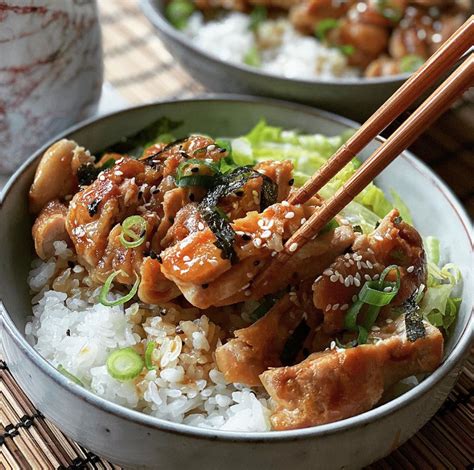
x=328 y=307
x=335 y=306
x=375 y=276
x=248 y=293
x=347 y=282
x=118 y=173
x=266 y=234
x=246 y=286
x=351 y=262
x=356 y=282
x=364 y=265
x=410 y=269
x=285 y=203
x=274 y=253
x=369 y=250
x=387 y=289
x=328 y=272
x=388 y=321
x=347 y=256
x=333 y=345
x=359 y=266
x=186 y=258
x=367 y=277
x=358 y=276
x=289 y=215
x=261 y=223
x=318 y=278
x=355 y=298
x=333 y=278
x=375 y=328
x=293 y=247
x=250 y=275
x=211 y=147
x=257 y=242
x=344 y=307
x=303 y=220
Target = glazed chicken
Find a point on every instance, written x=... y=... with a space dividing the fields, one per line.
x=338 y=383
x=188 y=232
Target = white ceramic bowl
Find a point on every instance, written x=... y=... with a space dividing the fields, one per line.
x=137 y=440
x=356 y=97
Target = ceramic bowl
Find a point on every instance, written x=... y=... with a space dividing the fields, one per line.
x=356 y=98
x=136 y=440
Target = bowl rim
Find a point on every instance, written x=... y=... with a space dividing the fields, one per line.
x=139 y=418
x=157 y=19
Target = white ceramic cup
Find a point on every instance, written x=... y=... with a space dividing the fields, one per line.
x=50 y=72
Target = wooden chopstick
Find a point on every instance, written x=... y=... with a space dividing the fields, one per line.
x=438 y=102
x=435 y=67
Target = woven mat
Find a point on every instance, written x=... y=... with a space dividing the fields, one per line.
x=140 y=69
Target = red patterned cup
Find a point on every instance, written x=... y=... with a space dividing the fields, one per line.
x=50 y=72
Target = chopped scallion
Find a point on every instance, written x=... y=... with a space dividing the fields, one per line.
x=106 y=289
x=133 y=227
x=70 y=376
x=124 y=364
x=324 y=26
x=150 y=347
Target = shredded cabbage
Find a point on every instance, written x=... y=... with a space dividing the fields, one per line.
x=438 y=306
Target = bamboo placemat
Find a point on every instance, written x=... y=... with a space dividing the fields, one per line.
x=140 y=69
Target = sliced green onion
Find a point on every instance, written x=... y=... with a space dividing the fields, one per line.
x=127 y=231
x=252 y=57
x=411 y=63
x=432 y=249
x=257 y=16
x=106 y=289
x=124 y=364
x=150 y=347
x=324 y=26
x=331 y=225
x=179 y=11
x=374 y=295
x=203 y=181
x=70 y=376
x=347 y=49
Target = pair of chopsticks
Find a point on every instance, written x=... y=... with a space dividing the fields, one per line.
x=437 y=103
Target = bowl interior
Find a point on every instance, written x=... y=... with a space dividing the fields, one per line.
x=435 y=210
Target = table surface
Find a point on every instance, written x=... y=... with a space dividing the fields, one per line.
x=139 y=69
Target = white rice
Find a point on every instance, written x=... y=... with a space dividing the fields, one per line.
x=284 y=51
x=71 y=328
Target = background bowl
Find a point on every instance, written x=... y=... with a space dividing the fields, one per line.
x=134 y=439
x=356 y=98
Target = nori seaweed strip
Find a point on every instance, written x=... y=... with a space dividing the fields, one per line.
x=224 y=185
x=88 y=172
x=136 y=143
x=269 y=193
x=294 y=344
x=222 y=230
x=413 y=319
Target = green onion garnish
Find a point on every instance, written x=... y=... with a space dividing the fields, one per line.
x=331 y=225
x=252 y=57
x=133 y=227
x=179 y=11
x=375 y=294
x=324 y=26
x=257 y=16
x=124 y=364
x=411 y=63
x=106 y=288
x=203 y=181
x=347 y=49
x=70 y=376
x=150 y=347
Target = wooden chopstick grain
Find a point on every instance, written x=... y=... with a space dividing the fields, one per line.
x=433 y=69
x=438 y=102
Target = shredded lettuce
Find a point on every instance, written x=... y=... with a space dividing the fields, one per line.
x=438 y=305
